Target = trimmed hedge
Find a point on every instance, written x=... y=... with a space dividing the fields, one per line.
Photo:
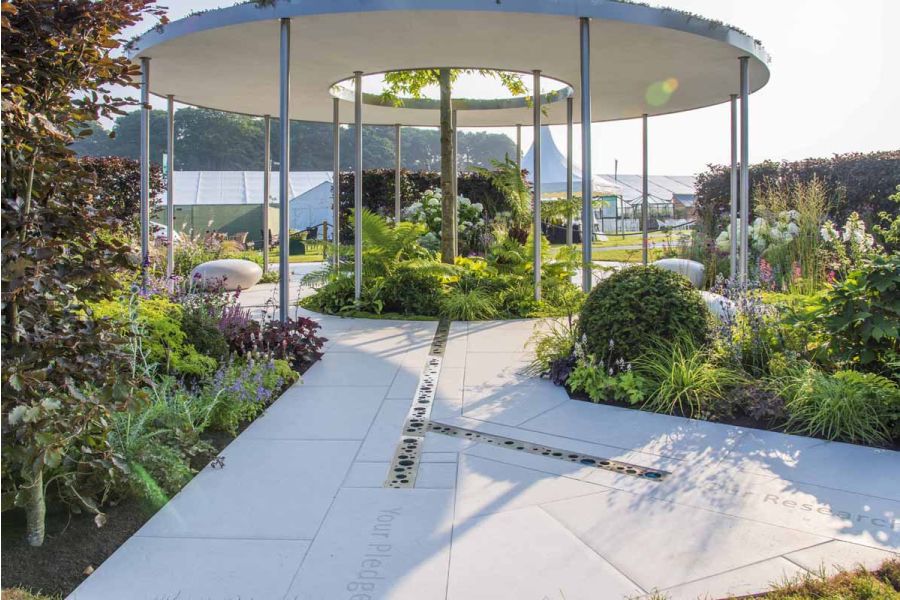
x=633 y=308
x=860 y=182
x=378 y=191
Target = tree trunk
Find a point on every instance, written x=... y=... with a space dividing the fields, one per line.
x=448 y=203
x=35 y=508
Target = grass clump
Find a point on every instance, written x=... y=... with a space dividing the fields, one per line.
x=859 y=584
x=685 y=380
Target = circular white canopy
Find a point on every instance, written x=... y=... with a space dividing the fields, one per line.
x=643 y=59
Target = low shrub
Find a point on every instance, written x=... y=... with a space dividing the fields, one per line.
x=332 y=296
x=200 y=322
x=154 y=443
x=601 y=384
x=163 y=339
x=859 y=318
x=412 y=291
x=638 y=304
x=847 y=406
x=295 y=340
x=241 y=389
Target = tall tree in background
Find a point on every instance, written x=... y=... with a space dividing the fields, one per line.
x=412 y=84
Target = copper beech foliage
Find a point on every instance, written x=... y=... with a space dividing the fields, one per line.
x=63 y=372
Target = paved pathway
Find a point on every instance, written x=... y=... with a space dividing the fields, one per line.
x=300 y=510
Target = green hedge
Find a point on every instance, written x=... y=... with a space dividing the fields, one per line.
x=860 y=182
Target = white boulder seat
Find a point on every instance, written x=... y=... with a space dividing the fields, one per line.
x=691 y=269
x=232 y=273
x=721 y=307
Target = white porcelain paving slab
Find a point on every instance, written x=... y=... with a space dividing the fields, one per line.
x=527 y=554
x=386 y=544
x=512 y=404
x=353 y=369
x=445 y=407
x=828 y=512
x=486 y=486
x=674 y=437
x=831 y=557
x=384 y=434
x=373 y=338
x=367 y=474
x=496 y=369
x=870 y=471
x=336 y=413
x=450 y=382
x=744 y=581
x=500 y=336
x=443 y=457
x=262 y=492
x=660 y=545
x=497 y=389
x=407 y=378
x=439 y=475
x=194 y=569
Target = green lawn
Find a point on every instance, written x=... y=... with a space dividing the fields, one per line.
x=312 y=255
x=635 y=238
x=626 y=255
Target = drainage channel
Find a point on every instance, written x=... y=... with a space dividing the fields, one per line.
x=404 y=467
x=588 y=460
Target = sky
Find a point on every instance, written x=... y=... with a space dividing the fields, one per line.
x=834 y=88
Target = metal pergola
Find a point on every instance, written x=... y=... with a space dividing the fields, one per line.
x=239 y=59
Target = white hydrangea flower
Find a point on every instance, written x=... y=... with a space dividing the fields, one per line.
x=32 y=414
x=50 y=404
x=16 y=415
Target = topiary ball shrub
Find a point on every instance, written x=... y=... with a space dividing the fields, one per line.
x=627 y=312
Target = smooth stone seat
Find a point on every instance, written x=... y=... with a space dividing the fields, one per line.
x=691 y=269
x=232 y=273
x=720 y=306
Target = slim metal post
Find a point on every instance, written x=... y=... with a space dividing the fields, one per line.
x=645 y=208
x=537 y=184
x=733 y=234
x=357 y=185
x=745 y=166
x=145 y=170
x=397 y=207
x=455 y=199
x=519 y=148
x=570 y=104
x=336 y=185
x=284 y=233
x=170 y=191
x=267 y=176
x=587 y=215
